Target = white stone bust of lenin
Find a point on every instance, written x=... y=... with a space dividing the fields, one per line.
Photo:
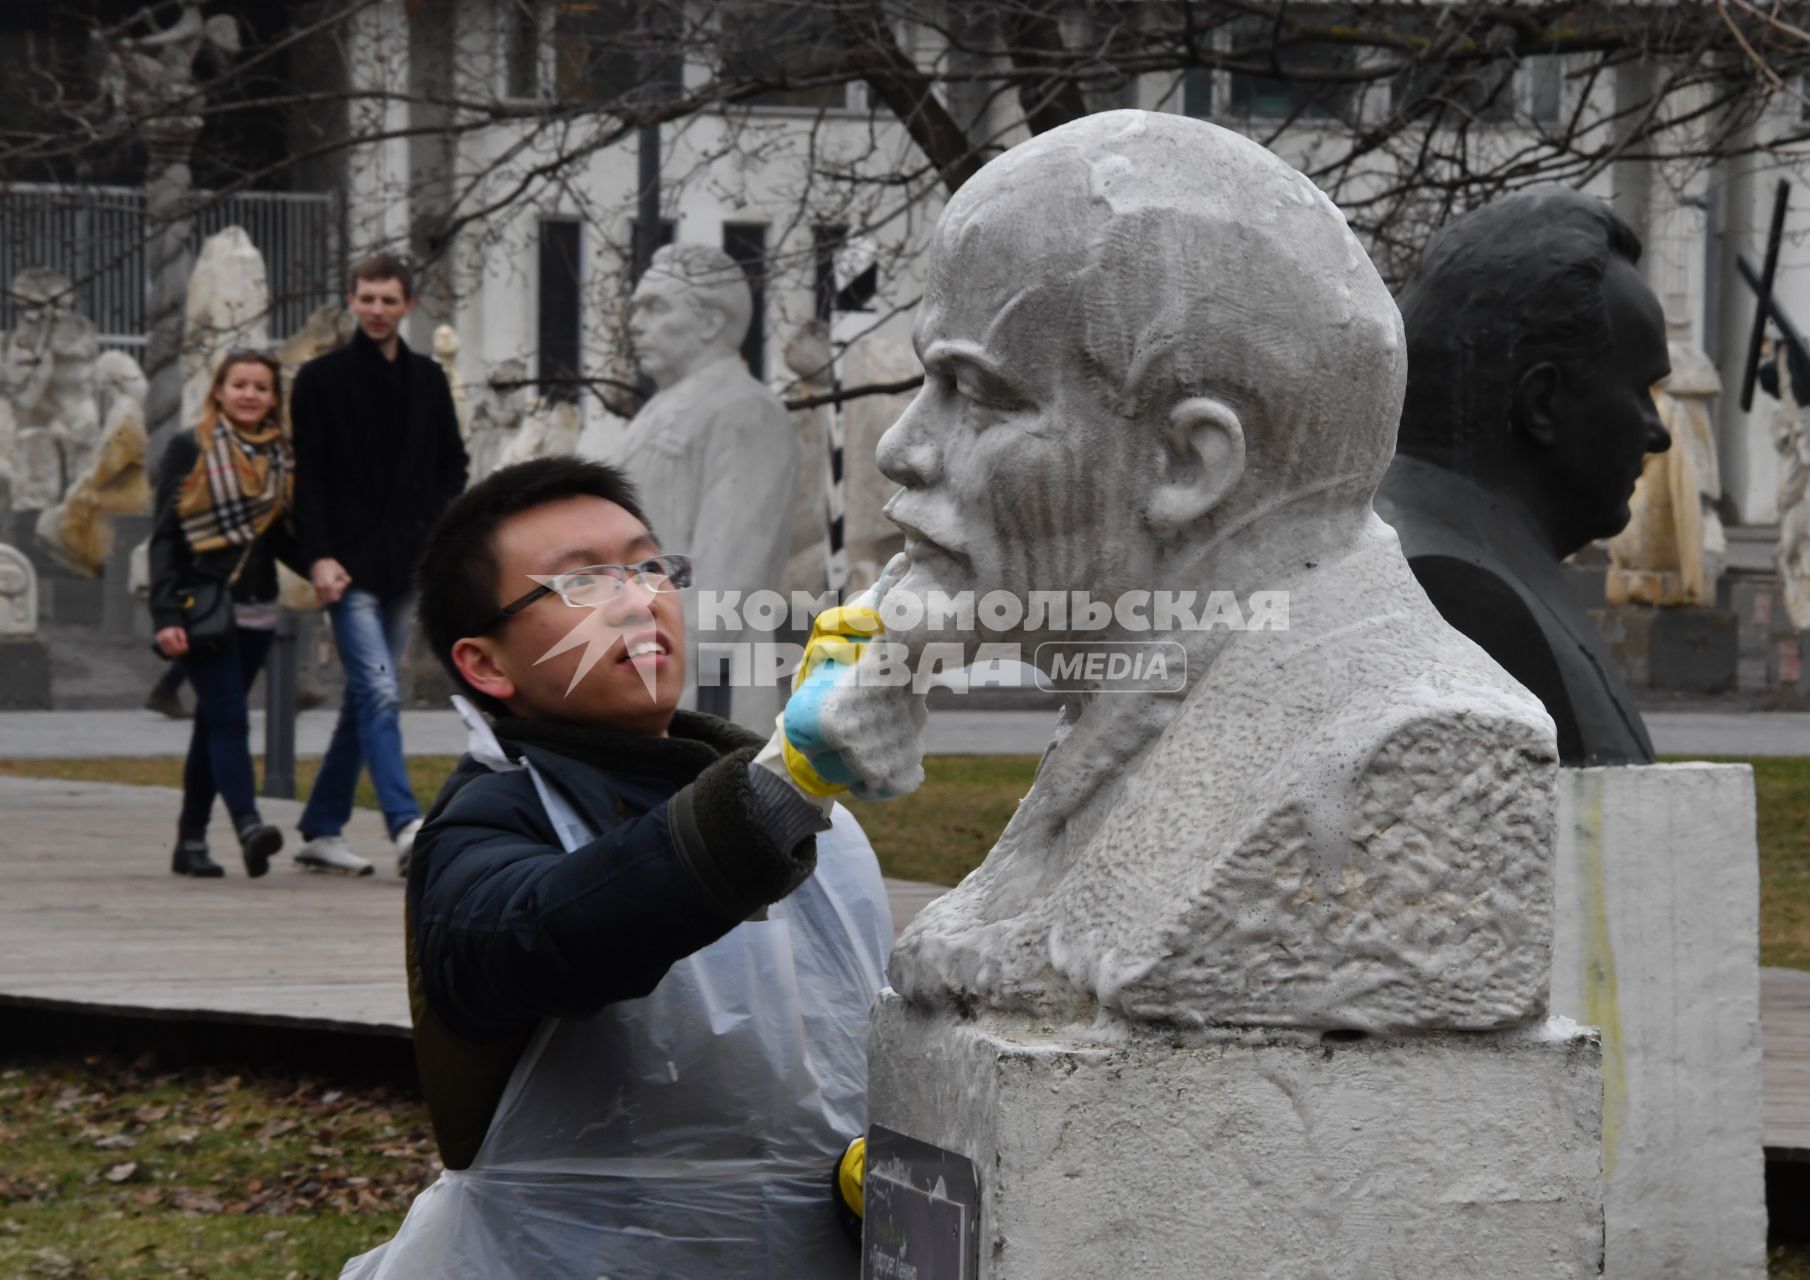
x=1157 y=359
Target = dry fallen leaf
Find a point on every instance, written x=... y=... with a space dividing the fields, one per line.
x=121 y=1172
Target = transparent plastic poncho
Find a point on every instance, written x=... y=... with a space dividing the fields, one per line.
x=689 y=1134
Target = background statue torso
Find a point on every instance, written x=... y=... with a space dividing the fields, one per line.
x=715 y=460
x=1479 y=559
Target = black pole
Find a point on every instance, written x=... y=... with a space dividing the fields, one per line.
x=279 y=712
x=647 y=209
x=1769 y=307
x=1763 y=287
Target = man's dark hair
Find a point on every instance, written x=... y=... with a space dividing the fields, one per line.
x=1501 y=288
x=456 y=580
x=382 y=266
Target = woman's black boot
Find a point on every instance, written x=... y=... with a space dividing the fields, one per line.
x=258 y=841
x=190 y=858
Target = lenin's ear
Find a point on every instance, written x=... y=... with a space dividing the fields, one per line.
x=1202 y=460
x=1535 y=408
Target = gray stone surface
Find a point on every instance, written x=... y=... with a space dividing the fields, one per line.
x=1189 y=372
x=24 y=673
x=18 y=593
x=1656 y=942
x=1163 y=1156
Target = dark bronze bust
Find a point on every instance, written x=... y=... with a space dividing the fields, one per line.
x=1533 y=345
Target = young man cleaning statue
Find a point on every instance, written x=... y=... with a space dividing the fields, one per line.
x=642 y=950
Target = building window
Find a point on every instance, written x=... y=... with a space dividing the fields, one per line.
x=561 y=307
x=1482 y=91
x=1197 y=93
x=669 y=230
x=521 y=36
x=598 y=52
x=787 y=43
x=1545 y=87
x=833 y=292
x=1295 y=95
x=746 y=242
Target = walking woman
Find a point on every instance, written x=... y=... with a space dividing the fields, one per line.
x=224 y=504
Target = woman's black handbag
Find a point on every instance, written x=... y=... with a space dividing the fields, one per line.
x=207 y=608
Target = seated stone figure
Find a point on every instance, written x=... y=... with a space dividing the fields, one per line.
x=1533 y=347
x=1157 y=359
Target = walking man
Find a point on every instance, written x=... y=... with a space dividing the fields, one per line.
x=378 y=458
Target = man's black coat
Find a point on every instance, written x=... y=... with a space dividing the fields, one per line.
x=377 y=459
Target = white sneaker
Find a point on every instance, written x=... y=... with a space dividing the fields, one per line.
x=332 y=853
x=405 y=845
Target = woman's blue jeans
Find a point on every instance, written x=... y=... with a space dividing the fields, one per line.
x=219 y=760
x=371 y=634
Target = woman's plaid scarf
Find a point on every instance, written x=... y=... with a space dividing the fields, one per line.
x=241 y=483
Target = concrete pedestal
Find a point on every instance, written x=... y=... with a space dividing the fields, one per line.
x=1269 y=1155
x=1683 y=649
x=24 y=673
x=1656 y=942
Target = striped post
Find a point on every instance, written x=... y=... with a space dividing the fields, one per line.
x=835 y=560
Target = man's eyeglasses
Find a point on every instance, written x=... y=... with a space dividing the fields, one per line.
x=595 y=585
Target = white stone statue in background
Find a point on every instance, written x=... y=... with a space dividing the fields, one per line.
x=228 y=306
x=76 y=531
x=154 y=75
x=508 y=425
x=47 y=377
x=330 y=325
x=548 y=427
x=1159 y=361
x=713 y=452
x=446 y=351
x=1791 y=438
x=18 y=593
x=497 y=412
x=807 y=355
x=1673 y=548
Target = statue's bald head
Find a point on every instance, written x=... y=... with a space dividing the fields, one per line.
x=711 y=279
x=692 y=307
x=1173 y=259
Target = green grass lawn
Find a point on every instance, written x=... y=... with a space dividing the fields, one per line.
x=1782 y=797
x=109 y=1170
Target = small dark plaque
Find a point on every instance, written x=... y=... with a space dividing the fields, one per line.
x=923 y=1211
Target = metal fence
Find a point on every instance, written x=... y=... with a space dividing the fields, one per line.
x=97 y=236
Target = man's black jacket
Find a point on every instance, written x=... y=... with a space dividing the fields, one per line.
x=377 y=458
x=505 y=929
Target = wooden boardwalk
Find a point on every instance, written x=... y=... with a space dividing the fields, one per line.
x=91 y=919
x=1785 y=1063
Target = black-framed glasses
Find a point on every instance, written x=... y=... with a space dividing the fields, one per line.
x=595 y=585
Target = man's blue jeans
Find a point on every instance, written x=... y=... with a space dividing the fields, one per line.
x=371 y=634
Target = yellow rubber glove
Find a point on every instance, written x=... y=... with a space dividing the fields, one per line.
x=835 y=646
x=851 y=1176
